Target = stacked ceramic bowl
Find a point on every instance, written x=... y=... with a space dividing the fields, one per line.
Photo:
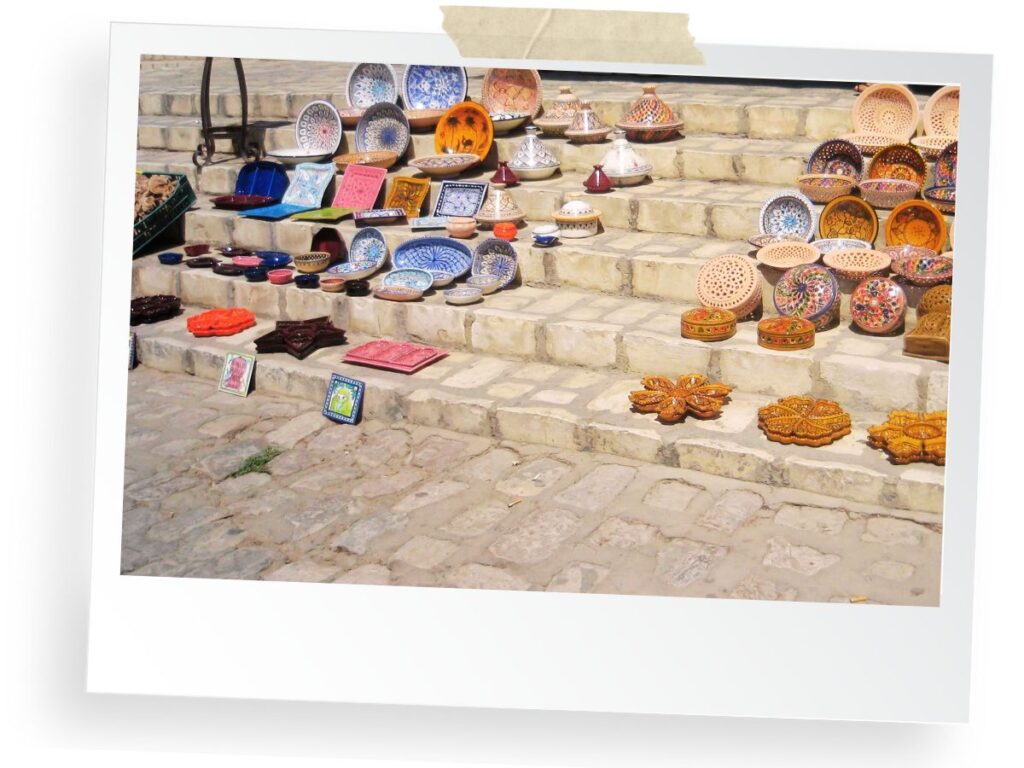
x=833 y=170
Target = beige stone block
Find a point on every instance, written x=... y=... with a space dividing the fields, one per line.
x=582 y=343
x=827 y=122
x=616 y=207
x=253 y=233
x=844 y=481
x=640 y=444
x=302 y=304
x=262 y=298
x=734 y=221
x=164 y=354
x=500 y=332
x=293 y=236
x=151 y=137
x=156 y=280
x=208 y=227
x=724 y=458
x=588 y=269
x=547 y=426
x=768 y=121
x=752 y=369
x=666 y=278
x=653 y=354
x=537 y=203
x=205 y=289
x=856 y=381
x=182 y=138
x=531 y=266
x=710 y=166
x=922 y=489
x=938 y=391
x=763 y=168
x=683 y=217
x=436 y=324
x=713 y=118
x=181 y=104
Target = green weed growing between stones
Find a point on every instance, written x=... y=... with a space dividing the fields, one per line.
x=258 y=463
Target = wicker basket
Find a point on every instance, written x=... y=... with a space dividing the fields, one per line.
x=823 y=187
x=165 y=214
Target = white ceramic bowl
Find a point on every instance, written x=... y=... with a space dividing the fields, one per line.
x=535 y=174
x=486 y=283
x=463 y=294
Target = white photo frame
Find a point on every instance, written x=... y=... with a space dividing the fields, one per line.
x=541 y=650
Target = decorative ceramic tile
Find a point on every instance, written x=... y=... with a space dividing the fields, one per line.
x=359 y=187
x=394 y=356
x=460 y=198
x=309 y=184
x=344 y=399
x=408 y=192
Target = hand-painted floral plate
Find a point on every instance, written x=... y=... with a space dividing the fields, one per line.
x=434 y=254
x=419 y=279
x=787 y=213
x=383 y=127
x=924 y=270
x=495 y=257
x=370 y=84
x=426 y=86
x=877 y=305
x=848 y=217
x=810 y=292
x=945 y=166
x=916 y=222
x=368 y=244
x=511 y=90
x=899 y=161
x=464 y=129
x=837 y=156
x=839 y=244
x=318 y=128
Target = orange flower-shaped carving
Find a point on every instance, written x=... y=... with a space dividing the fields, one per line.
x=910 y=436
x=672 y=400
x=221 y=322
x=804 y=421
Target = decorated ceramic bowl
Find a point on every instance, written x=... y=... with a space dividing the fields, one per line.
x=888 y=193
x=312 y=261
x=484 y=283
x=444 y=165
x=280 y=276
x=899 y=161
x=837 y=157
x=849 y=217
x=789 y=212
x=916 y=222
x=707 y=324
x=381 y=158
x=945 y=166
x=822 y=187
x=839 y=244
x=256 y=274
x=785 y=334
x=398 y=293
x=857 y=263
x=877 y=305
x=464 y=128
x=332 y=284
x=441 y=278
x=353 y=270
x=924 y=270
x=420 y=279
x=896 y=252
x=786 y=255
x=421 y=119
x=931 y=146
x=731 y=282
x=511 y=90
x=943 y=198
x=809 y=292
x=170 y=258
x=760 y=241
x=888 y=109
x=506 y=122
x=463 y=294
x=307 y=281
x=350 y=116
x=460 y=226
x=868 y=143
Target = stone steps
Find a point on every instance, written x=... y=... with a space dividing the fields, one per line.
x=570 y=327
x=569 y=407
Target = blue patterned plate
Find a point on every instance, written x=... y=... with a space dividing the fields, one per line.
x=496 y=257
x=370 y=84
x=788 y=213
x=434 y=254
x=383 y=127
x=354 y=270
x=460 y=198
x=419 y=279
x=428 y=87
x=368 y=245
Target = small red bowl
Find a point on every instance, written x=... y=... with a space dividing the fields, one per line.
x=246 y=261
x=506 y=230
x=197 y=250
x=279 y=276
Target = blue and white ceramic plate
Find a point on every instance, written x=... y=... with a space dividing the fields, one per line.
x=308 y=185
x=434 y=254
x=318 y=128
x=370 y=84
x=368 y=245
x=419 y=279
x=460 y=198
x=496 y=257
x=428 y=87
x=383 y=127
x=463 y=294
x=354 y=270
x=788 y=213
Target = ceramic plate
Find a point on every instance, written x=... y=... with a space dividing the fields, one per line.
x=419 y=279
x=760 y=241
x=857 y=263
x=837 y=156
x=899 y=161
x=464 y=129
x=916 y=222
x=318 y=128
x=809 y=292
x=945 y=166
x=511 y=90
x=293 y=155
x=787 y=213
x=460 y=198
x=383 y=127
x=428 y=87
x=368 y=245
x=370 y=84
x=444 y=165
x=262 y=178
x=309 y=184
x=408 y=193
x=839 y=244
x=877 y=305
x=848 y=217
x=924 y=270
x=434 y=254
x=495 y=257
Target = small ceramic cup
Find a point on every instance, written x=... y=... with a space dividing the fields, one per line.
x=506 y=230
x=170 y=258
x=307 y=281
x=545 y=234
x=332 y=284
x=280 y=276
x=460 y=226
x=256 y=274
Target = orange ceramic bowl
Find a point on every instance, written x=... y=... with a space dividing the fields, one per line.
x=506 y=230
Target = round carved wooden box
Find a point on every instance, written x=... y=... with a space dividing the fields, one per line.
x=785 y=333
x=708 y=324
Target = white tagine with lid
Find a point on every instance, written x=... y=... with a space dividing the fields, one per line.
x=623 y=164
x=578 y=218
x=532 y=159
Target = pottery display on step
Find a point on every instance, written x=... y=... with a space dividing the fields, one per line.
x=623 y=164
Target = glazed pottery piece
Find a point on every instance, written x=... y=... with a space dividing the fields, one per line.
x=359 y=187
x=408 y=193
x=198 y=249
x=674 y=400
x=350 y=116
x=649 y=119
x=857 y=263
x=598 y=181
x=909 y=436
x=938 y=299
x=170 y=258
x=398 y=293
x=897 y=252
x=707 y=324
x=241 y=202
x=312 y=261
x=439 y=166
x=381 y=158
x=887 y=109
x=256 y=274
x=924 y=270
x=532 y=160
x=460 y=226
x=943 y=198
x=274 y=259
x=577 y=218
x=262 y=178
x=899 y=161
x=357 y=287
x=202 y=262
x=785 y=334
x=420 y=279
x=400 y=356
x=800 y=420
x=787 y=255
x=809 y=292
x=586 y=127
x=788 y=212
x=300 y=338
x=463 y=294
x=383 y=127
x=930 y=337
x=760 y=241
x=220 y=322
x=888 y=193
x=837 y=157
x=623 y=164
x=423 y=119
x=318 y=128
x=731 y=282
x=280 y=276
x=419 y=223
x=353 y=270
x=153 y=309
x=504 y=175
x=945 y=166
x=441 y=279
x=868 y=143
x=822 y=187
x=332 y=284
x=460 y=198
x=370 y=84
x=425 y=86
x=916 y=222
x=839 y=244
x=305 y=192
x=484 y=283
x=931 y=146
x=506 y=122
x=369 y=246
x=434 y=254
x=942 y=112
x=379 y=216
x=848 y=217
x=464 y=129
x=233 y=250
x=506 y=230
x=877 y=305
x=328 y=239
x=557 y=120
x=511 y=90
x=292 y=156
x=307 y=281
x=545 y=235
x=228 y=270
x=499 y=206
x=496 y=258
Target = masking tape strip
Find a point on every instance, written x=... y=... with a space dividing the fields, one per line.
x=563 y=34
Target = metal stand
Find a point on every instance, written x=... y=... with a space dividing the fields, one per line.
x=242 y=143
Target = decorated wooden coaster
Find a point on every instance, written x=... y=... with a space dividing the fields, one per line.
x=153 y=309
x=221 y=322
x=801 y=420
x=910 y=436
x=930 y=337
x=708 y=324
x=785 y=333
x=673 y=400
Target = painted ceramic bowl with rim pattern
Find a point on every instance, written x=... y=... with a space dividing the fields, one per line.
x=877 y=305
x=809 y=291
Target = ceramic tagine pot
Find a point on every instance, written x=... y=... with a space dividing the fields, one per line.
x=504 y=175
x=532 y=159
x=623 y=164
x=586 y=127
x=650 y=119
x=557 y=120
x=577 y=218
x=598 y=181
x=498 y=207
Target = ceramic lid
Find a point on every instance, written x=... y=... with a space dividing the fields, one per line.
x=563 y=109
x=649 y=110
x=499 y=206
x=577 y=210
x=586 y=120
x=532 y=153
x=622 y=159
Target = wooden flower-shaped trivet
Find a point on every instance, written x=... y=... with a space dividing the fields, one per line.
x=910 y=436
x=221 y=322
x=800 y=420
x=672 y=400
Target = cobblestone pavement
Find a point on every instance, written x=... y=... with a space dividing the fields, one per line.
x=400 y=504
